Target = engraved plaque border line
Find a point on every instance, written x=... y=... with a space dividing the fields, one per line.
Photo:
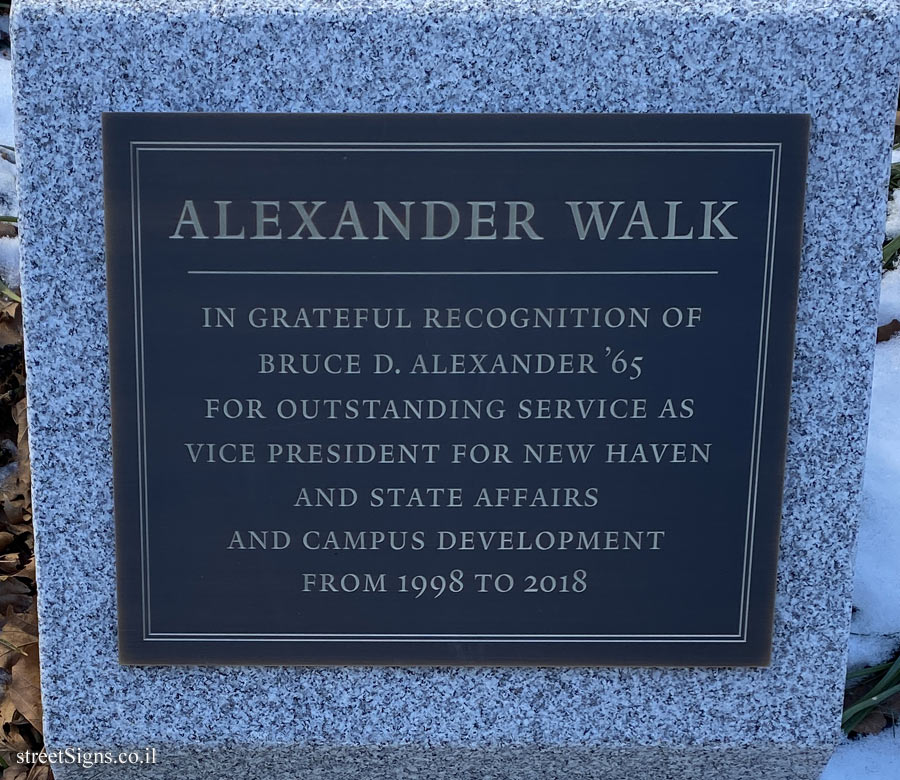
x=772 y=148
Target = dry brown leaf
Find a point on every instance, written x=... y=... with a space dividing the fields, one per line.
x=9 y=308
x=20 y=416
x=27 y=570
x=19 y=635
x=9 y=487
x=885 y=332
x=7 y=713
x=15 y=740
x=14 y=513
x=25 y=689
x=874 y=723
x=10 y=563
x=16 y=594
x=15 y=492
x=40 y=772
x=25 y=621
x=9 y=333
x=10 y=321
x=16 y=772
x=891 y=705
x=6 y=539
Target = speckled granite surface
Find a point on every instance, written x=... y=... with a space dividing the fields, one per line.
x=834 y=60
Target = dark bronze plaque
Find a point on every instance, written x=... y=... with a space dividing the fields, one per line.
x=418 y=389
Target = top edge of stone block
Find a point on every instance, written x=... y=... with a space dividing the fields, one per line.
x=870 y=9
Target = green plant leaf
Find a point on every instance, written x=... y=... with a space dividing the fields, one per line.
x=867 y=705
x=4 y=290
x=891 y=677
x=889 y=250
x=868 y=671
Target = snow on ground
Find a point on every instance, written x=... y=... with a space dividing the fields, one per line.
x=6 y=114
x=892 y=226
x=9 y=202
x=9 y=261
x=876 y=593
x=869 y=758
x=889 y=307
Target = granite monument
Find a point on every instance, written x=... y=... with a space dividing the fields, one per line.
x=75 y=62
